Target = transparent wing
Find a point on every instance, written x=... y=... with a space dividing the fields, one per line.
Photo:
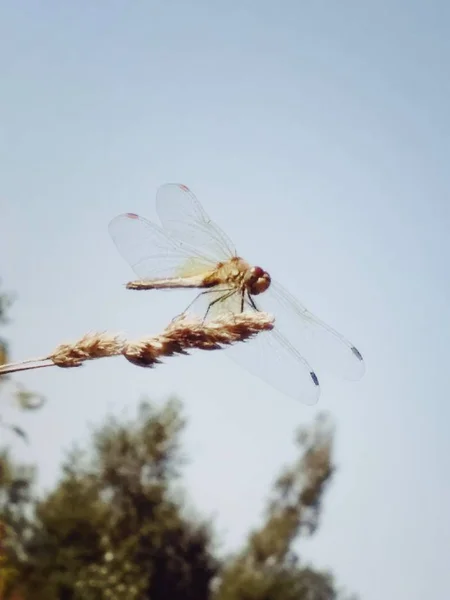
x=182 y=215
x=269 y=355
x=151 y=252
x=321 y=344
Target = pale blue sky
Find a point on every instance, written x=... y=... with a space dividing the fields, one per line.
x=317 y=134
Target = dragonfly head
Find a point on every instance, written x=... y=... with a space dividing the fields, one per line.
x=256 y=281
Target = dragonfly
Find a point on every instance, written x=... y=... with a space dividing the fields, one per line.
x=188 y=250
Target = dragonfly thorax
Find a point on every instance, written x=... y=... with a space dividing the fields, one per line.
x=256 y=280
x=239 y=274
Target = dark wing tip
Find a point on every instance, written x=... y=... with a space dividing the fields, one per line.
x=357 y=353
x=314 y=378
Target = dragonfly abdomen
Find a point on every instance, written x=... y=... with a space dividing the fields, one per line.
x=196 y=281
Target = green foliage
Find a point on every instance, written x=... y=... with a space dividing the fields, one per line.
x=15 y=487
x=114 y=526
x=113 y=529
x=268 y=567
x=15 y=481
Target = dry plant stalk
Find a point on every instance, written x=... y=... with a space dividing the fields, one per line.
x=181 y=335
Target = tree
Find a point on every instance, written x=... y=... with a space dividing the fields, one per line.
x=15 y=498
x=267 y=567
x=115 y=527
x=15 y=480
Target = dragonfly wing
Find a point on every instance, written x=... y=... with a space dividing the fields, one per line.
x=182 y=215
x=324 y=347
x=268 y=356
x=151 y=252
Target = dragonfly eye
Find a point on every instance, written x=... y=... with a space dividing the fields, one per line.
x=258 y=281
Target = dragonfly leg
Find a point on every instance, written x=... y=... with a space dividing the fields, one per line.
x=195 y=299
x=230 y=292
x=190 y=304
x=252 y=303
